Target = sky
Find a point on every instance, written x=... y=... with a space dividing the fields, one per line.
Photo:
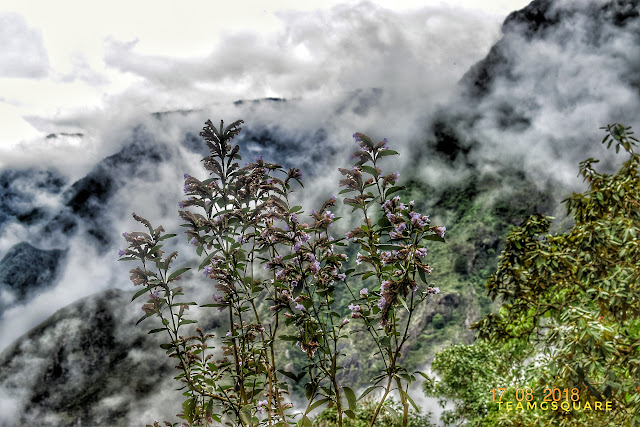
x=72 y=58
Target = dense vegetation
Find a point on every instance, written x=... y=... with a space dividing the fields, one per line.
x=564 y=343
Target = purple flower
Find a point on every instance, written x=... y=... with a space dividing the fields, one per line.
x=345 y=321
x=382 y=303
x=121 y=252
x=384 y=143
x=262 y=405
x=359 y=258
x=384 y=285
x=440 y=231
x=356 y=136
x=300 y=307
x=421 y=252
x=342 y=276
x=416 y=220
x=229 y=333
x=395 y=235
x=186 y=175
x=354 y=307
x=280 y=274
x=296 y=246
x=125 y=235
x=395 y=176
x=433 y=291
x=155 y=295
x=315 y=267
x=277 y=260
x=181 y=205
x=364 y=292
x=401 y=227
x=208 y=270
x=294 y=218
x=304 y=237
x=186 y=189
x=219 y=299
x=194 y=242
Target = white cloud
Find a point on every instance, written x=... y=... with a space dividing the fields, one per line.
x=23 y=53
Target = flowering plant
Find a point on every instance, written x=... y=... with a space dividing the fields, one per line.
x=241 y=218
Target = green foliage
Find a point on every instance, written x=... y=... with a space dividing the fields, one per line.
x=390 y=416
x=467 y=374
x=571 y=301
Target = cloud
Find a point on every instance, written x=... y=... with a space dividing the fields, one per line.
x=327 y=51
x=23 y=53
x=537 y=101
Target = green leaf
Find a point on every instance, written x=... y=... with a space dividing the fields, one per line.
x=389 y=247
x=394 y=189
x=349 y=413
x=186 y=322
x=144 y=317
x=406 y=395
x=154 y=249
x=422 y=275
x=368 y=390
x=370 y=170
x=384 y=153
x=140 y=292
x=153 y=331
x=245 y=414
x=317 y=403
x=305 y=422
x=403 y=302
x=177 y=273
x=351 y=397
x=289 y=374
x=209 y=407
x=368 y=274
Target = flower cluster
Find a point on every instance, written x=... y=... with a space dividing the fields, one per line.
x=241 y=217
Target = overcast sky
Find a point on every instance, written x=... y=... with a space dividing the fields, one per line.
x=67 y=58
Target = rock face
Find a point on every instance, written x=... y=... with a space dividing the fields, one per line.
x=26 y=270
x=85 y=365
x=538 y=82
x=19 y=189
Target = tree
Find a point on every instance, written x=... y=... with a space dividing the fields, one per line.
x=574 y=299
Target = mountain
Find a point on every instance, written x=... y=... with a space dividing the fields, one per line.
x=26 y=270
x=505 y=146
x=85 y=365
